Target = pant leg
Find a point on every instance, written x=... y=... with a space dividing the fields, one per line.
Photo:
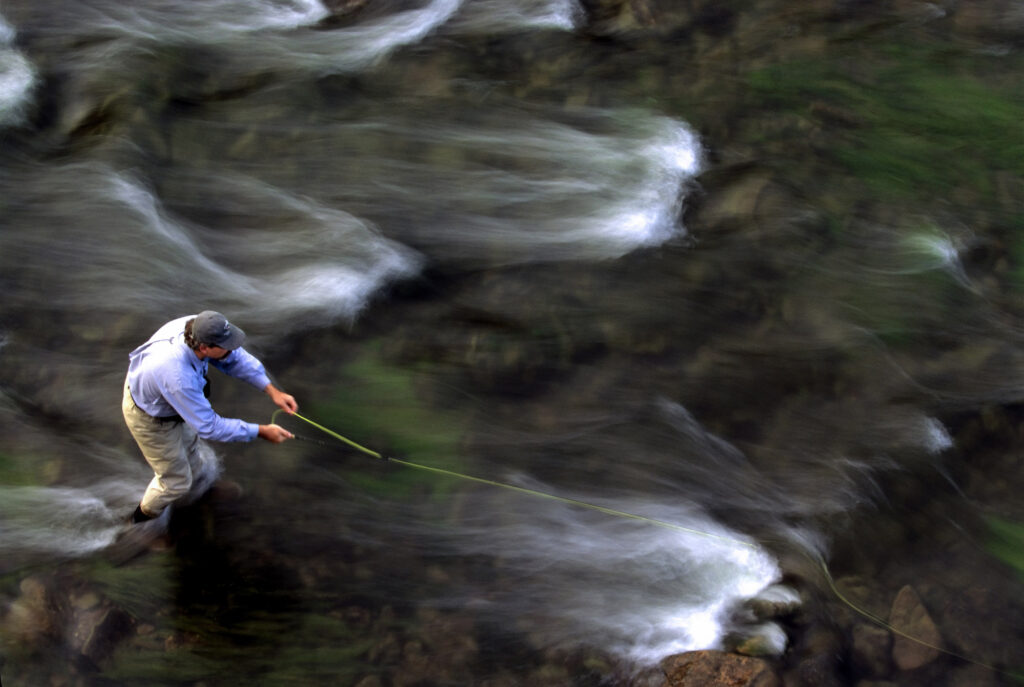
x=203 y=462
x=166 y=446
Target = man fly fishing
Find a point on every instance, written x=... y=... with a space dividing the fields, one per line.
x=166 y=402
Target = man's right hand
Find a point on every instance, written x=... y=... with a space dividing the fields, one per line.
x=275 y=434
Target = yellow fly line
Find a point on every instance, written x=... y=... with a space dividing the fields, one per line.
x=633 y=516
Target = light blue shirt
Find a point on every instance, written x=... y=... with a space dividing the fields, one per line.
x=166 y=378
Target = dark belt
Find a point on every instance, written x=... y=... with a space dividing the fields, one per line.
x=159 y=418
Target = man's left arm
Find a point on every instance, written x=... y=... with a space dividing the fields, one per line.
x=245 y=366
x=285 y=402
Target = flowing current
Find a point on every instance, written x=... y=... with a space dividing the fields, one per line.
x=447 y=229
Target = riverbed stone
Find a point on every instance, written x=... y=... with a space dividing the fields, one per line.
x=95 y=632
x=31 y=618
x=764 y=641
x=735 y=202
x=817 y=655
x=995 y=18
x=717 y=669
x=910 y=617
x=820 y=670
x=870 y=649
x=777 y=601
x=973 y=676
x=606 y=17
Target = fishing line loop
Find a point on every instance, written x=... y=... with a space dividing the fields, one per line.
x=521 y=490
x=653 y=521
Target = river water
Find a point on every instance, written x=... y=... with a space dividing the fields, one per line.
x=751 y=272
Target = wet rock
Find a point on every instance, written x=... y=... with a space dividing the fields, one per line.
x=95 y=631
x=817 y=671
x=969 y=610
x=80 y=104
x=777 y=601
x=817 y=659
x=995 y=18
x=387 y=651
x=608 y=17
x=765 y=640
x=910 y=616
x=732 y=200
x=862 y=591
x=48 y=612
x=717 y=669
x=611 y=16
x=31 y=620
x=870 y=649
x=416 y=664
x=742 y=198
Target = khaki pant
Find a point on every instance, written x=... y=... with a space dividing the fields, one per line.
x=172 y=449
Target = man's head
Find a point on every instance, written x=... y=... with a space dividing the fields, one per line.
x=211 y=329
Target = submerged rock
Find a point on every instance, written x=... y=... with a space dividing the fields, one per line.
x=817 y=658
x=996 y=18
x=765 y=640
x=908 y=615
x=717 y=669
x=31 y=619
x=871 y=646
x=94 y=632
x=52 y=611
x=777 y=601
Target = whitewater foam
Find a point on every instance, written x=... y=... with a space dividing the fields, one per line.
x=17 y=79
x=492 y=16
x=324 y=270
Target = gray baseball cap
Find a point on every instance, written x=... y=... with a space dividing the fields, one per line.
x=213 y=329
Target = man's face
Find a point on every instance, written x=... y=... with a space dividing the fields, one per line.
x=214 y=352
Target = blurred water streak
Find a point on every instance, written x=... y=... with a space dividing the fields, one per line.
x=457 y=227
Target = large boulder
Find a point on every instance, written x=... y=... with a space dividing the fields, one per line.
x=717 y=669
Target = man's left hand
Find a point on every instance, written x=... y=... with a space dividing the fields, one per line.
x=285 y=402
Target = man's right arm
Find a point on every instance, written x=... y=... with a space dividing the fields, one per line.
x=195 y=409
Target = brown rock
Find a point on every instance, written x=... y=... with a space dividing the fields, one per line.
x=996 y=18
x=910 y=617
x=717 y=669
x=32 y=618
x=817 y=658
x=94 y=632
x=871 y=648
